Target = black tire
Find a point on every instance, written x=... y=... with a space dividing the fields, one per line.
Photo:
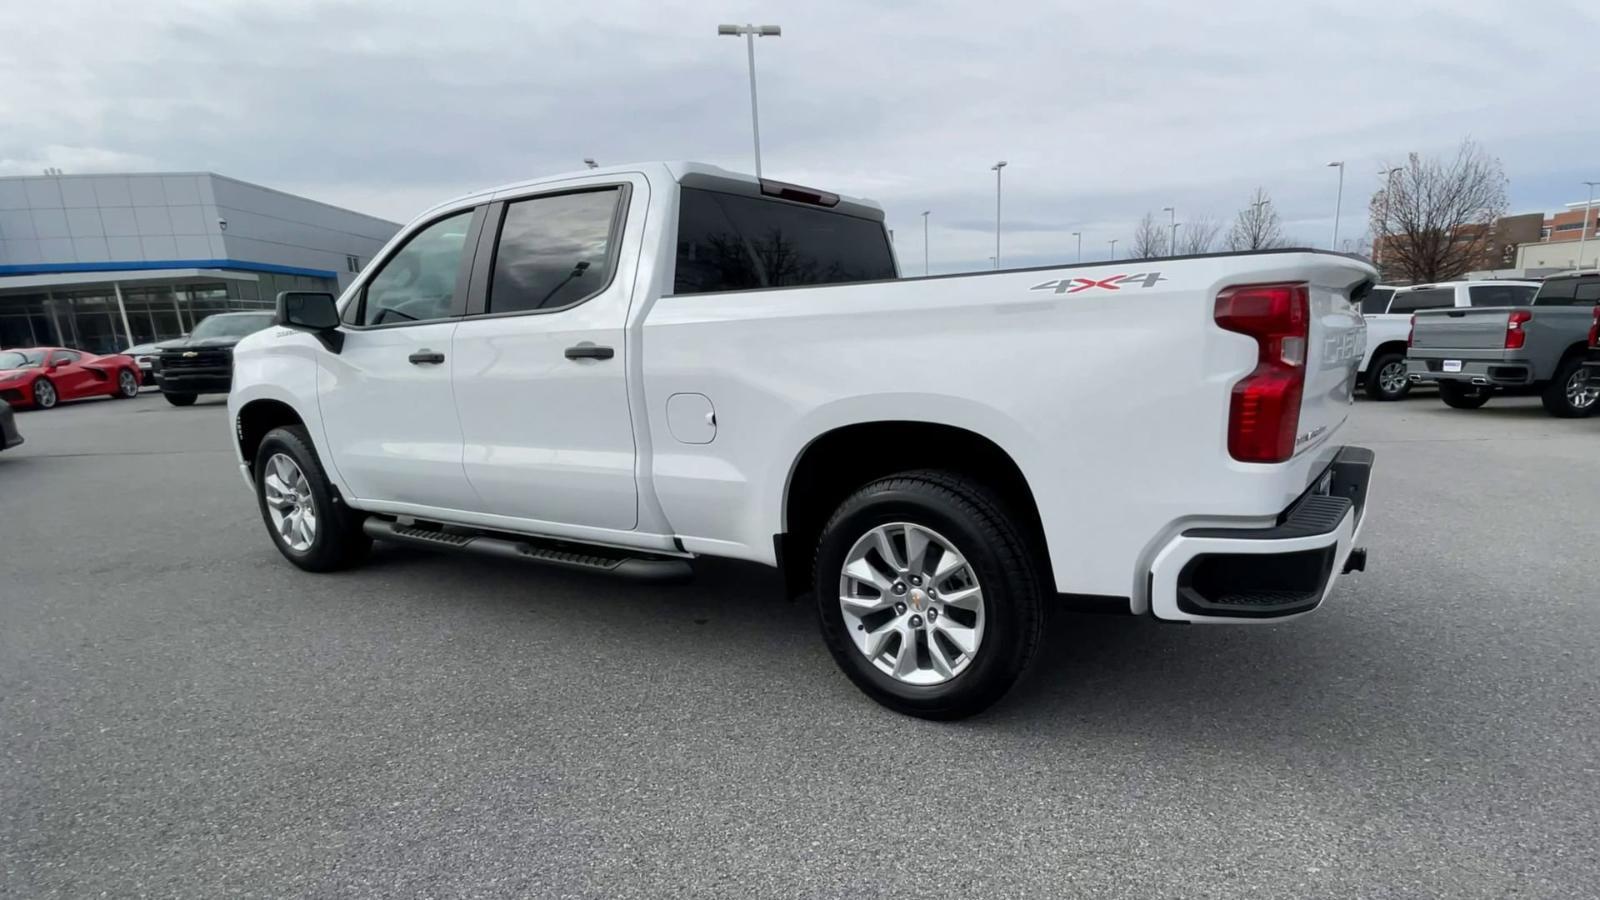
x=123 y=392
x=51 y=397
x=1464 y=396
x=974 y=520
x=180 y=399
x=1375 y=374
x=1556 y=398
x=339 y=541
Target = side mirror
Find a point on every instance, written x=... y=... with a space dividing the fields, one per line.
x=314 y=312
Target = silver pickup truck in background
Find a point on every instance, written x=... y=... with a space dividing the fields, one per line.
x=1469 y=353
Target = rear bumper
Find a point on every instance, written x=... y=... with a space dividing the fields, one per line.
x=1493 y=372
x=1267 y=574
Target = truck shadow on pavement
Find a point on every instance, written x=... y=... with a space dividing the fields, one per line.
x=1273 y=686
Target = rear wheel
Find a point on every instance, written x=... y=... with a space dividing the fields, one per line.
x=44 y=394
x=308 y=522
x=926 y=595
x=127 y=384
x=1463 y=396
x=1386 y=378
x=1571 y=394
x=179 y=399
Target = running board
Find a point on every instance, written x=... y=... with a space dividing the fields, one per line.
x=561 y=554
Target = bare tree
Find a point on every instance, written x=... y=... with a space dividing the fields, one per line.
x=1256 y=227
x=1198 y=235
x=1434 y=219
x=1149 y=238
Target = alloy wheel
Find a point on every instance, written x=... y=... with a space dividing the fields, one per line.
x=127 y=383
x=44 y=394
x=912 y=603
x=289 y=503
x=1581 y=391
x=1392 y=378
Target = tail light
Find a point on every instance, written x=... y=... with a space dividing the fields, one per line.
x=1264 y=412
x=1411 y=336
x=1594 y=330
x=1516 y=335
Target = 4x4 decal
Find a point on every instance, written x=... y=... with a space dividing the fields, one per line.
x=1109 y=283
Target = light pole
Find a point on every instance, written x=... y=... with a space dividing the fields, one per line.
x=750 y=32
x=1113 y=248
x=1383 y=223
x=1172 y=248
x=925 y=241
x=1338 y=203
x=1079 y=236
x=1588 y=218
x=996 y=169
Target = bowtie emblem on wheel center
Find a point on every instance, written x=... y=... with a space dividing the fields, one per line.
x=918 y=600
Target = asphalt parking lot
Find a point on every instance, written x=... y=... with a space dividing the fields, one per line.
x=184 y=714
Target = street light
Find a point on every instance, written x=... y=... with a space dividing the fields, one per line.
x=996 y=170
x=1588 y=217
x=750 y=33
x=1172 y=249
x=1079 y=236
x=1338 y=203
x=1113 y=248
x=925 y=241
x=1383 y=224
x=588 y=162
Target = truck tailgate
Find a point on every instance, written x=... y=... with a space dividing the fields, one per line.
x=1460 y=329
x=1336 y=339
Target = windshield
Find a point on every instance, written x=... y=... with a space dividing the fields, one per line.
x=21 y=359
x=229 y=326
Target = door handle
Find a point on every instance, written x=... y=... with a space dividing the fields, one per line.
x=590 y=351
x=426 y=357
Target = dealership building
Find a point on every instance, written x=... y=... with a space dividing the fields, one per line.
x=103 y=262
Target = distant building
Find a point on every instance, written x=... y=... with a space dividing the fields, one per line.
x=1568 y=225
x=102 y=262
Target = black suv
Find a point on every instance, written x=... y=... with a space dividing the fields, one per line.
x=202 y=363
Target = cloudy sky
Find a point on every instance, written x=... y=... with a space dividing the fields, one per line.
x=1104 y=110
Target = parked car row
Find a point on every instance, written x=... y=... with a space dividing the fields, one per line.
x=1538 y=347
x=1389 y=311
x=202 y=363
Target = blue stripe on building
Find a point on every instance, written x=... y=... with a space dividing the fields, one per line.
x=155 y=264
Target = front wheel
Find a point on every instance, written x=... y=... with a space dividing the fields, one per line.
x=179 y=399
x=308 y=522
x=1571 y=394
x=1463 y=396
x=926 y=595
x=44 y=394
x=127 y=385
x=1386 y=378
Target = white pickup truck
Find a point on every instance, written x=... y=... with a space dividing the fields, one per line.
x=623 y=369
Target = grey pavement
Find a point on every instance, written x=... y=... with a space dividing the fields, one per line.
x=183 y=714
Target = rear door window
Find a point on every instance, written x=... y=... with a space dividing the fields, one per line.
x=554 y=251
x=1376 y=302
x=1501 y=294
x=728 y=242
x=1569 y=292
x=1425 y=298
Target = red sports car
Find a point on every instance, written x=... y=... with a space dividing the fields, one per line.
x=41 y=377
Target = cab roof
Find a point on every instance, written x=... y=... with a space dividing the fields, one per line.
x=690 y=174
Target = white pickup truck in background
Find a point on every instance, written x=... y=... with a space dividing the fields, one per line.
x=622 y=369
x=1388 y=313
